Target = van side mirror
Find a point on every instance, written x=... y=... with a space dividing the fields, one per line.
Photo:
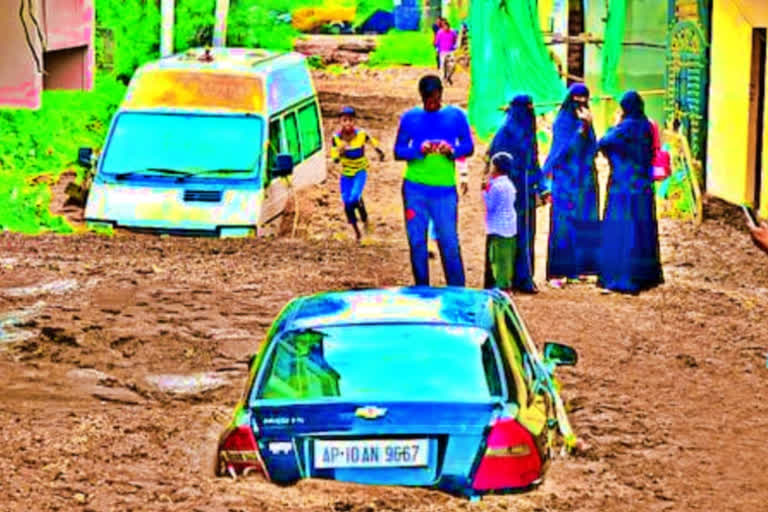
x=559 y=354
x=85 y=157
x=283 y=166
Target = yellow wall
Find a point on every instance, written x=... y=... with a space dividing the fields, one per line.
x=729 y=103
x=728 y=172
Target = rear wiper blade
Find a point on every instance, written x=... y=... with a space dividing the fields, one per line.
x=212 y=171
x=160 y=171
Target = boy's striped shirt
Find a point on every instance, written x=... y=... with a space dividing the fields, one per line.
x=353 y=159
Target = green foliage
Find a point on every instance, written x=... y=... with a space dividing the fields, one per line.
x=134 y=29
x=336 y=69
x=404 y=48
x=260 y=23
x=37 y=146
x=315 y=62
x=193 y=24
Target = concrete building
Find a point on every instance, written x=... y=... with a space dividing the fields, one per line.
x=48 y=48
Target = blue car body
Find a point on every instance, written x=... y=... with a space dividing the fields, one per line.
x=410 y=386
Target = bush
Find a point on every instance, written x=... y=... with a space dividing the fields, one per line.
x=258 y=23
x=36 y=147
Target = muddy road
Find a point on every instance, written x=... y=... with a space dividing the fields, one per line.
x=121 y=358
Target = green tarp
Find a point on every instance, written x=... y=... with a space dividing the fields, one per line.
x=612 y=49
x=508 y=58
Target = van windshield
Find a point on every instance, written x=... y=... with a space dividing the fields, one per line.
x=197 y=146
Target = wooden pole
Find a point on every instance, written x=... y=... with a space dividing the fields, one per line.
x=166 y=30
x=220 y=29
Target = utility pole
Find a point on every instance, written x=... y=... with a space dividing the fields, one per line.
x=166 y=27
x=220 y=28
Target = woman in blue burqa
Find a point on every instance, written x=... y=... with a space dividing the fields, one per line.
x=629 y=255
x=517 y=136
x=574 y=233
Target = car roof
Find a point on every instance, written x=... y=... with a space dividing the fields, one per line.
x=417 y=305
x=243 y=60
x=284 y=76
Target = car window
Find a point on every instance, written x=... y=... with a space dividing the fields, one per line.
x=515 y=331
x=491 y=368
x=292 y=137
x=396 y=362
x=309 y=123
x=275 y=134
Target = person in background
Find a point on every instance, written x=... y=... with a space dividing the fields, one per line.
x=629 y=252
x=430 y=140
x=348 y=148
x=501 y=220
x=574 y=229
x=518 y=138
x=445 y=42
x=436 y=26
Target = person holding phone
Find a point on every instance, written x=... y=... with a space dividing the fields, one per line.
x=570 y=167
x=431 y=139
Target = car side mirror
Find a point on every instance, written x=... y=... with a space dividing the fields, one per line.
x=85 y=157
x=283 y=166
x=559 y=354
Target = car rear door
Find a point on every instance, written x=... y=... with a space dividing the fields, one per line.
x=534 y=402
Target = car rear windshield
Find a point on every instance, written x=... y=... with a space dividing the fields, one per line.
x=394 y=362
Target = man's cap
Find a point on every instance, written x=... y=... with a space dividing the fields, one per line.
x=348 y=111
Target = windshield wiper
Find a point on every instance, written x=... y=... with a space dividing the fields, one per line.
x=155 y=170
x=212 y=171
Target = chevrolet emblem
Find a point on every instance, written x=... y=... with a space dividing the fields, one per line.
x=370 y=412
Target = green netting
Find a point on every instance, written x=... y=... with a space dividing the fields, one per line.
x=508 y=58
x=612 y=48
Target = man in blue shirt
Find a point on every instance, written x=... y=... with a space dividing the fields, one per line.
x=430 y=139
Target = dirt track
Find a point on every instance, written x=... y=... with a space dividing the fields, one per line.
x=667 y=391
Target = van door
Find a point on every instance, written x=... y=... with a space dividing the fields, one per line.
x=276 y=191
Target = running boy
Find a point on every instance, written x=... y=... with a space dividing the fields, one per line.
x=501 y=220
x=349 y=148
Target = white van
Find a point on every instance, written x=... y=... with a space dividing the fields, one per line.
x=209 y=142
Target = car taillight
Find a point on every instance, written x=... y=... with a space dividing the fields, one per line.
x=511 y=459
x=239 y=453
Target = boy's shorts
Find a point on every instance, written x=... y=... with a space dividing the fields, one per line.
x=501 y=254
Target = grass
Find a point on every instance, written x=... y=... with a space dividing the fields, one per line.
x=36 y=147
x=404 y=48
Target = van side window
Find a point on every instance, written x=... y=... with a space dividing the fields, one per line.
x=292 y=136
x=274 y=143
x=309 y=124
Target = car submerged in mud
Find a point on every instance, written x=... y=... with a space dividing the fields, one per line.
x=433 y=387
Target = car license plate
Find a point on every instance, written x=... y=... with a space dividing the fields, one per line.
x=373 y=453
